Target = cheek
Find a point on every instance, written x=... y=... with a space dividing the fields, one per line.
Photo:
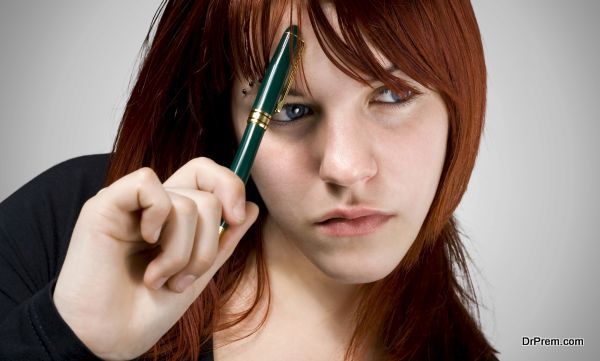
x=280 y=173
x=414 y=166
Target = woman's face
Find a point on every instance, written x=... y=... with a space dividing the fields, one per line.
x=349 y=171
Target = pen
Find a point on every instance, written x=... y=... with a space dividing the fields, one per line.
x=269 y=100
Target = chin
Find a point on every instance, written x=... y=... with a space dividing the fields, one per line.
x=358 y=269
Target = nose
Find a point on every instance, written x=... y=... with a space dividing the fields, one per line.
x=347 y=152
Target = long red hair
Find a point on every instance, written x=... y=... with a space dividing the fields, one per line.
x=179 y=109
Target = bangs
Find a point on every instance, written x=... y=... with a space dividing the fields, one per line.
x=253 y=25
x=358 y=44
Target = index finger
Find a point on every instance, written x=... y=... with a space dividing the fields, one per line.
x=206 y=175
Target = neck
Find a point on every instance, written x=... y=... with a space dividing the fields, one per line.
x=296 y=283
x=306 y=308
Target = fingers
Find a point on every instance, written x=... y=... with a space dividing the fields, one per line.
x=226 y=246
x=176 y=242
x=182 y=216
x=190 y=240
x=206 y=175
x=139 y=190
x=204 y=251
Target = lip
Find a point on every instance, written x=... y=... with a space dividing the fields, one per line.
x=351 y=222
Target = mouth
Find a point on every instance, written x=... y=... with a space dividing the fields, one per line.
x=351 y=222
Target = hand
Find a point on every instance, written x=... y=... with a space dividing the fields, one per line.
x=141 y=252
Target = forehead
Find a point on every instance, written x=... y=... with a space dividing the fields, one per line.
x=350 y=42
x=315 y=43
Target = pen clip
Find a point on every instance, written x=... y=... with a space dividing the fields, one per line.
x=290 y=75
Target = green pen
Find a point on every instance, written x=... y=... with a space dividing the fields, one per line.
x=269 y=100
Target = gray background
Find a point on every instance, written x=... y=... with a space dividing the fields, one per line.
x=531 y=207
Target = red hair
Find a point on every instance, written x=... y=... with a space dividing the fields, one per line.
x=179 y=109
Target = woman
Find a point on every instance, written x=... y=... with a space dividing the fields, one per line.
x=343 y=245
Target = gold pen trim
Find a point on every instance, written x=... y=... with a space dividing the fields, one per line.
x=290 y=77
x=259 y=118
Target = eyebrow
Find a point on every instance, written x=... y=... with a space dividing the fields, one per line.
x=294 y=92
x=390 y=69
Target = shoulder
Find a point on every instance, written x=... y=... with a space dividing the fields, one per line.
x=77 y=176
x=41 y=214
x=37 y=220
x=58 y=193
x=88 y=170
x=59 y=187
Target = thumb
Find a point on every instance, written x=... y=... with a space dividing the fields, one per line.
x=233 y=234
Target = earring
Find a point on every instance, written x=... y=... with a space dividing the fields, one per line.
x=250 y=84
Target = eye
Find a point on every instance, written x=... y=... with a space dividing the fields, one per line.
x=291 y=112
x=387 y=96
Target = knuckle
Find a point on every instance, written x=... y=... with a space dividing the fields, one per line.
x=202 y=264
x=213 y=202
x=175 y=261
x=163 y=206
x=240 y=189
x=146 y=175
x=201 y=162
x=235 y=184
x=185 y=206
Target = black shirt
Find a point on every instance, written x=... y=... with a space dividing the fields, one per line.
x=36 y=223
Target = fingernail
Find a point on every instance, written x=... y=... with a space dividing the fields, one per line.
x=240 y=211
x=159 y=283
x=183 y=282
x=157 y=234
